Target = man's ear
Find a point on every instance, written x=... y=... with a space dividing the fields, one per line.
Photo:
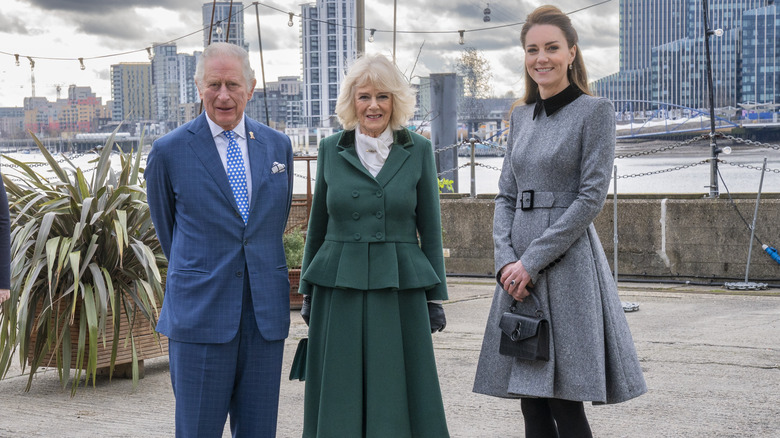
x=251 y=90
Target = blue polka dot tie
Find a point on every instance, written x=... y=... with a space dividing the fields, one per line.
x=236 y=173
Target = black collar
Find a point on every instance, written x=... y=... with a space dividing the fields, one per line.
x=560 y=100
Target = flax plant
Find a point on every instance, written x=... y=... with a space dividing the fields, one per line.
x=82 y=249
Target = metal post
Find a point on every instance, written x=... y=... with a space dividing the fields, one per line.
x=473 y=168
x=395 y=21
x=230 y=18
x=713 y=146
x=444 y=126
x=360 y=12
x=615 y=224
x=262 y=66
x=755 y=216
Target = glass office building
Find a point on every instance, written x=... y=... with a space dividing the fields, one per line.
x=760 y=52
x=663 y=56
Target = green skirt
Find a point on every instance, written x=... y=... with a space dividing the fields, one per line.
x=370 y=367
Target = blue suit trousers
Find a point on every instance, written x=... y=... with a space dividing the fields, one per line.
x=240 y=378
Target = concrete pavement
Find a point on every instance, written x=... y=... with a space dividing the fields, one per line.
x=711 y=359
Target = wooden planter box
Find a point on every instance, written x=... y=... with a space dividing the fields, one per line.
x=296 y=299
x=148 y=343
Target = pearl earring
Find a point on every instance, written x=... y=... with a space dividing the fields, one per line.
x=571 y=66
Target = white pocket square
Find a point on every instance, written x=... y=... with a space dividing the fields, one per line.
x=278 y=167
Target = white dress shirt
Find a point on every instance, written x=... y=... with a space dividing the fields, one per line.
x=222 y=144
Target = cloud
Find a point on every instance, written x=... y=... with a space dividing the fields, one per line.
x=92 y=7
x=15 y=25
x=106 y=25
x=123 y=28
x=123 y=24
x=597 y=30
x=103 y=74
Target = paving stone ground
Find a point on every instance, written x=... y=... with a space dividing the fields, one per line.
x=711 y=360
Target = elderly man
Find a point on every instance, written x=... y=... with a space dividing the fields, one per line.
x=219 y=190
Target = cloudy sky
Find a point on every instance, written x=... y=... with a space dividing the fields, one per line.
x=55 y=33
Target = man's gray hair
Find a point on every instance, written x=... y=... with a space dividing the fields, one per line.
x=216 y=50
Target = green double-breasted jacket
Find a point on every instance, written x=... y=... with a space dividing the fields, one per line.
x=363 y=230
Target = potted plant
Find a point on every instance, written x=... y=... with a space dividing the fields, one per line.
x=294 y=241
x=84 y=268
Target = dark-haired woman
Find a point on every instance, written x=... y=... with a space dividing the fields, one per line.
x=553 y=183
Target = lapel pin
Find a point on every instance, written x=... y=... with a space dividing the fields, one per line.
x=251 y=135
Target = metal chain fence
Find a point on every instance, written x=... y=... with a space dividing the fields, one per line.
x=503 y=149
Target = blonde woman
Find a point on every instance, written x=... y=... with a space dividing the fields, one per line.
x=371 y=287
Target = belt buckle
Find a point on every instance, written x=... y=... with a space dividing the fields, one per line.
x=527 y=200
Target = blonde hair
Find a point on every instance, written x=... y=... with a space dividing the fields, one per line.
x=378 y=71
x=577 y=74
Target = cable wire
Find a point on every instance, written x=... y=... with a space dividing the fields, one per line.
x=335 y=23
x=734 y=204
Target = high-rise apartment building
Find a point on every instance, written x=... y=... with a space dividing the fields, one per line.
x=283 y=100
x=329 y=44
x=131 y=91
x=662 y=53
x=165 y=83
x=173 y=84
x=227 y=24
x=188 y=90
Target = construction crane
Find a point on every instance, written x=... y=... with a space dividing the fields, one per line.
x=32 y=76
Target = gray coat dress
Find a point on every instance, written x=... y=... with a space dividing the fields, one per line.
x=566 y=159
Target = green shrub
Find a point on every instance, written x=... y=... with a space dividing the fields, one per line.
x=293 y=247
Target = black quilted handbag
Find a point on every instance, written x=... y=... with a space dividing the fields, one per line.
x=523 y=336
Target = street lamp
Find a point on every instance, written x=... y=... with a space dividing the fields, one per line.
x=713 y=145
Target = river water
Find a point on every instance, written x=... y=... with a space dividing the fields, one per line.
x=677 y=171
x=656 y=174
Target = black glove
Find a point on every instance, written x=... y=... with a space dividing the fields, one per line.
x=306 y=308
x=436 y=314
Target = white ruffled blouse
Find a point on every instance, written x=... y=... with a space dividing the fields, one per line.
x=372 y=151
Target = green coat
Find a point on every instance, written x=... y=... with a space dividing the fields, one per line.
x=363 y=231
x=370 y=366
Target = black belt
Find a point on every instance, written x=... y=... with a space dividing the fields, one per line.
x=530 y=199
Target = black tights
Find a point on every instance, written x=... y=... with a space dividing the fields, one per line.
x=554 y=418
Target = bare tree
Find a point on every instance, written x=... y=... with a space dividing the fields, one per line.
x=474 y=68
